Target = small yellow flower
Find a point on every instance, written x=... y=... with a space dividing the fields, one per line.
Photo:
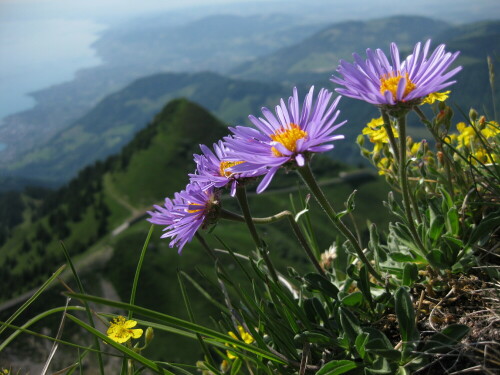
x=245 y=336
x=466 y=136
x=383 y=166
x=5 y=371
x=121 y=330
x=436 y=96
x=377 y=134
x=484 y=157
x=491 y=129
x=414 y=148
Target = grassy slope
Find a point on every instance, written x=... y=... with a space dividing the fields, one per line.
x=115 y=120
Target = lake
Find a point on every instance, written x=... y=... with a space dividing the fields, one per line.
x=37 y=53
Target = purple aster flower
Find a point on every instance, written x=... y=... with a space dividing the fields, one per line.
x=192 y=208
x=212 y=170
x=382 y=83
x=288 y=136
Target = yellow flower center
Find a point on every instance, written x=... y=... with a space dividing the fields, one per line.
x=389 y=82
x=227 y=164
x=288 y=138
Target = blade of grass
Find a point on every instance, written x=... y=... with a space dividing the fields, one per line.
x=187 y=303
x=25 y=305
x=87 y=308
x=58 y=336
x=134 y=286
x=180 y=323
x=53 y=339
x=138 y=270
x=204 y=293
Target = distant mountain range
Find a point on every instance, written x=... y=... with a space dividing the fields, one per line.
x=316 y=57
x=115 y=119
x=139 y=48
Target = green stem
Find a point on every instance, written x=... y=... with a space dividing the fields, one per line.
x=228 y=215
x=388 y=129
x=403 y=182
x=305 y=244
x=306 y=174
x=241 y=195
x=439 y=146
x=205 y=246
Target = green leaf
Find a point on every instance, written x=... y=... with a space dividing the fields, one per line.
x=364 y=285
x=317 y=283
x=447 y=201
x=349 y=205
x=314 y=337
x=350 y=324
x=353 y=299
x=337 y=367
x=436 y=259
x=379 y=344
x=374 y=243
x=485 y=228
x=360 y=344
x=443 y=342
x=405 y=314
x=410 y=274
x=400 y=257
x=452 y=224
x=381 y=366
x=436 y=228
x=236 y=367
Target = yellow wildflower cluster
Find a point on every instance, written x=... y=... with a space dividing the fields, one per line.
x=436 y=97
x=473 y=139
x=121 y=330
x=244 y=335
x=377 y=134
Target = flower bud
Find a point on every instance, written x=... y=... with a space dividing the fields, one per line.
x=360 y=140
x=149 y=336
x=224 y=366
x=473 y=115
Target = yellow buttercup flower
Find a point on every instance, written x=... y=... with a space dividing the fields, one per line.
x=245 y=336
x=436 y=96
x=121 y=330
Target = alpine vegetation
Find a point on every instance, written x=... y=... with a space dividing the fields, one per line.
x=395 y=300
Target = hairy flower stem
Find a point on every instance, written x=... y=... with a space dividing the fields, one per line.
x=228 y=215
x=403 y=183
x=241 y=195
x=388 y=129
x=308 y=177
